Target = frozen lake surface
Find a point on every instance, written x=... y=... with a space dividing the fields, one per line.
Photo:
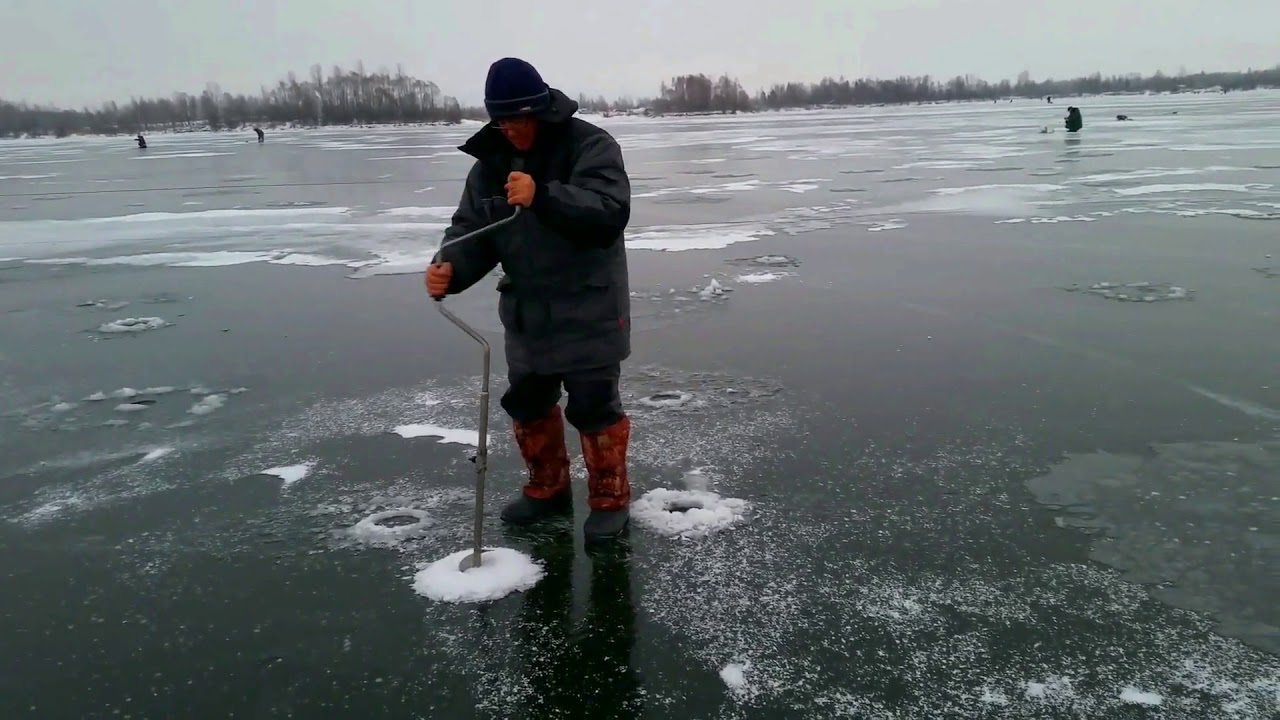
x=935 y=415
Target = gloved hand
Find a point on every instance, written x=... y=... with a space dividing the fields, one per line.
x=438 y=276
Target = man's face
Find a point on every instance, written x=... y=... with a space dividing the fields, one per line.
x=519 y=131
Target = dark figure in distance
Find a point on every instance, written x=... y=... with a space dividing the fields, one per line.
x=261 y=135
x=1074 y=120
x=142 y=142
x=563 y=300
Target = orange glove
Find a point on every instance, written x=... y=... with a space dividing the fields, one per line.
x=438 y=276
x=520 y=188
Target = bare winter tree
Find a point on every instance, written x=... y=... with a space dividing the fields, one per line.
x=350 y=97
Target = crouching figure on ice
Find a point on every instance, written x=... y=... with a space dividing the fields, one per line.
x=564 y=301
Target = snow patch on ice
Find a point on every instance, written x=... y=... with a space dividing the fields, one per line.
x=1031 y=187
x=1143 y=292
x=734 y=676
x=1183 y=188
x=502 y=571
x=757 y=278
x=133 y=325
x=1153 y=172
x=169 y=156
x=1141 y=697
x=289 y=474
x=438 y=213
x=207 y=404
x=798 y=187
x=156 y=454
x=894 y=224
x=456 y=436
x=1054 y=689
x=676 y=238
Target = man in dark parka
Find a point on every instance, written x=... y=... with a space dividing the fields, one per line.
x=564 y=301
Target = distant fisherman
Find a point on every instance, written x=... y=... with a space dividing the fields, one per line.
x=142 y=142
x=1074 y=120
x=262 y=137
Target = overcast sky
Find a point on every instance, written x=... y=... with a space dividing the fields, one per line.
x=72 y=52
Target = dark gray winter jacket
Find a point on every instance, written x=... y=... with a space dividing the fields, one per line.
x=565 y=302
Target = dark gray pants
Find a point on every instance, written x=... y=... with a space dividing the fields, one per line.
x=594 y=400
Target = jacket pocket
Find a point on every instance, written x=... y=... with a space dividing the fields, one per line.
x=509 y=306
x=589 y=310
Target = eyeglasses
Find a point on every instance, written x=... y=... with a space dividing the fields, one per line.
x=520 y=121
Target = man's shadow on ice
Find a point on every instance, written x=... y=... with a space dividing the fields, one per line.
x=583 y=669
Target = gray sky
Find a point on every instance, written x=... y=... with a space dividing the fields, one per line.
x=72 y=52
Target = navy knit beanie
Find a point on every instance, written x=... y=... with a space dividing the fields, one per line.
x=514 y=87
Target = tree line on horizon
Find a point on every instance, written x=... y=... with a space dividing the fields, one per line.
x=356 y=97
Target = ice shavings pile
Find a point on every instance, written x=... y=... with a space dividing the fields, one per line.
x=376 y=529
x=687 y=514
x=502 y=571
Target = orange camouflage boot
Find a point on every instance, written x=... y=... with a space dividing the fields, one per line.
x=608 y=492
x=547 y=490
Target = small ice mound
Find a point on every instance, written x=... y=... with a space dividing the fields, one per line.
x=131 y=407
x=207 y=404
x=63 y=407
x=760 y=277
x=1135 y=696
x=712 y=290
x=96 y=397
x=666 y=399
x=502 y=571
x=687 y=514
x=289 y=474
x=162 y=390
x=132 y=325
x=455 y=436
x=734 y=676
x=390 y=527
